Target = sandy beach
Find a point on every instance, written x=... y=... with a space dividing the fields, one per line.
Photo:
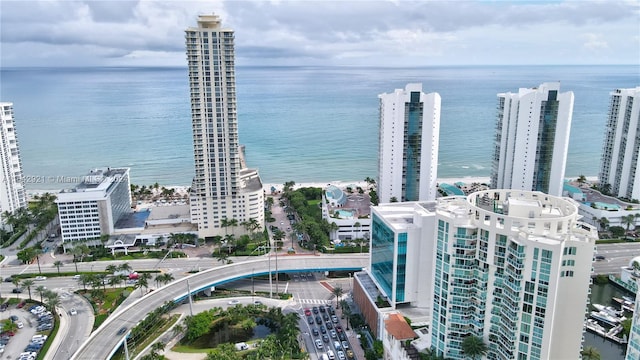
x=363 y=184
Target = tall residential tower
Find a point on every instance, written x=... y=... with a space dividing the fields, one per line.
x=532 y=139
x=224 y=190
x=12 y=192
x=619 y=169
x=409 y=138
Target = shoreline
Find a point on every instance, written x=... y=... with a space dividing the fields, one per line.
x=339 y=183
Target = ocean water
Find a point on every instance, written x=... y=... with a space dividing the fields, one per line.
x=298 y=123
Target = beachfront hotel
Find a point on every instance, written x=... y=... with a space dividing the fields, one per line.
x=12 y=194
x=512 y=267
x=223 y=188
x=95 y=205
x=619 y=169
x=409 y=139
x=532 y=139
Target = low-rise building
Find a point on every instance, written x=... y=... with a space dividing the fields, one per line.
x=349 y=211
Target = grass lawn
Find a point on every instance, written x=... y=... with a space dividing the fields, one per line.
x=103 y=307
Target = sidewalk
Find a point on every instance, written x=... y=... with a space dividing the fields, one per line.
x=358 y=351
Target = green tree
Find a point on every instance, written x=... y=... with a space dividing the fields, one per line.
x=393 y=199
x=590 y=353
x=143 y=281
x=474 y=347
x=53 y=300
x=357 y=225
x=58 y=264
x=28 y=283
x=224 y=351
x=27 y=255
x=628 y=220
x=337 y=292
x=8 y=325
x=16 y=283
x=41 y=290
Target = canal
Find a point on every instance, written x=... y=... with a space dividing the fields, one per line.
x=603 y=294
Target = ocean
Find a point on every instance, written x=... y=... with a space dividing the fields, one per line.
x=306 y=124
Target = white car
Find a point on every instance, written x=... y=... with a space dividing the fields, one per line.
x=234 y=302
x=41 y=278
x=19 y=324
x=319 y=344
x=73 y=312
x=77 y=277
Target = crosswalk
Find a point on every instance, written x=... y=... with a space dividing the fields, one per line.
x=314 y=301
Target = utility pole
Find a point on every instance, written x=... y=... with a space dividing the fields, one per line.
x=190 y=301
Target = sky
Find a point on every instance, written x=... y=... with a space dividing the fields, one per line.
x=390 y=33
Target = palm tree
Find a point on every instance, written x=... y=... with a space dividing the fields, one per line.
x=628 y=220
x=111 y=268
x=143 y=282
x=16 y=282
x=28 y=283
x=590 y=353
x=53 y=299
x=337 y=292
x=57 y=264
x=357 y=225
x=333 y=227
x=41 y=290
x=86 y=279
x=125 y=267
x=157 y=347
x=113 y=281
x=474 y=347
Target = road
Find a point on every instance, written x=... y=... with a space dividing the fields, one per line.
x=616 y=256
x=105 y=340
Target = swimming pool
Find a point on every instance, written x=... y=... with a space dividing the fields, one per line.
x=345 y=214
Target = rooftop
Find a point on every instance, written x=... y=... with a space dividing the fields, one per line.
x=398 y=327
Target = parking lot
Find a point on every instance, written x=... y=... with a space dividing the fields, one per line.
x=23 y=337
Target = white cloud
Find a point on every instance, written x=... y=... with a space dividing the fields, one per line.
x=595 y=42
x=362 y=32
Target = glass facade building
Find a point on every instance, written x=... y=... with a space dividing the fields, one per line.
x=532 y=139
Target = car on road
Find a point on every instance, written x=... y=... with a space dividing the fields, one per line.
x=41 y=278
x=8 y=279
x=600 y=257
x=234 y=302
x=122 y=330
x=16 y=291
x=319 y=344
x=257 y=302
x=73 y=312
x=76 y=277
x=19 y=324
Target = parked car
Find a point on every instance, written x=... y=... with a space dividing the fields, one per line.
x=319 y=344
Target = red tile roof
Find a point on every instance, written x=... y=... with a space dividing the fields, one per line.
x=398 y=327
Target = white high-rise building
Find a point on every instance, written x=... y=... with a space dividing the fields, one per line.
x=513 y=268
x=223 y=190
x=619 y=170
x=532 y=139
x=95 y=205
x=409 y=138
x=12 y=192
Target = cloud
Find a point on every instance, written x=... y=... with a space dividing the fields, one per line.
x=595 y=42
x=319 y=32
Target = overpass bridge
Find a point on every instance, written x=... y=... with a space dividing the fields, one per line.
x=105 y=340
